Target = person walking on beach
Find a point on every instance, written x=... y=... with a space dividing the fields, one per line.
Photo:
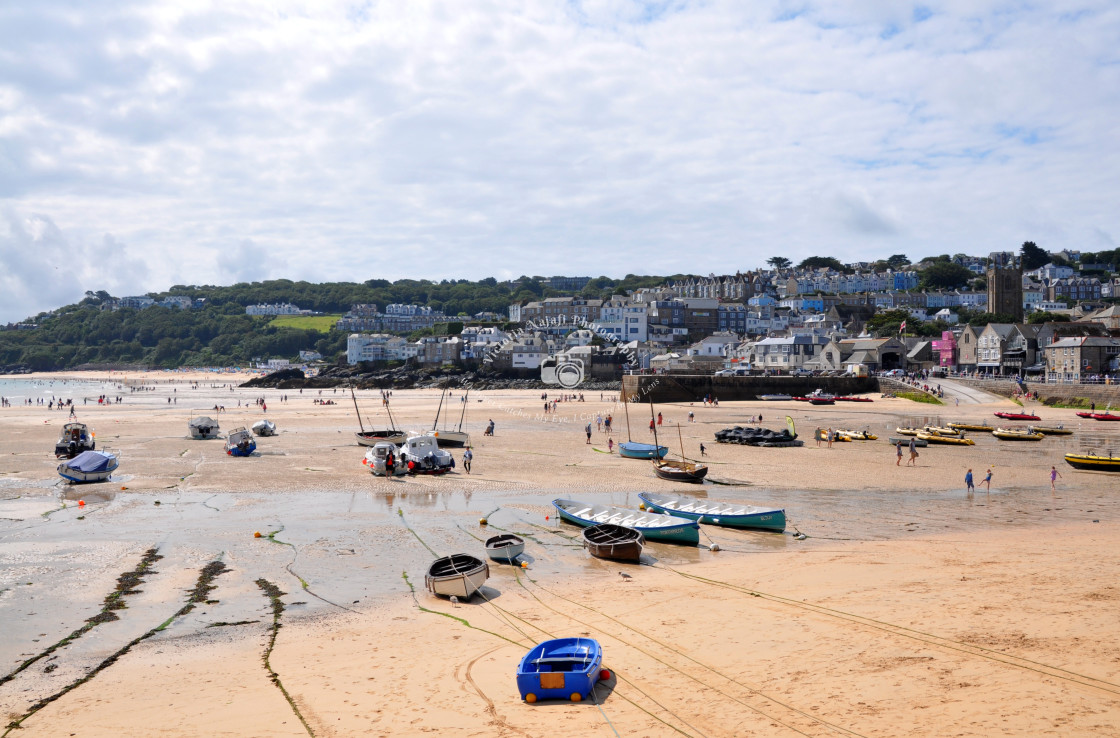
x=898 y=452
x=913 y=453
x=588 y=429
x=830 y=437
x=468 y=456
x=968 y=482
x=1053 y=476
x=703 y=450
x=659 y=420
x=610 y=445
x=819 y=434
x=988 y=481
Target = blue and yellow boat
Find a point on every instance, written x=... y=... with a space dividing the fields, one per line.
x=561 y=669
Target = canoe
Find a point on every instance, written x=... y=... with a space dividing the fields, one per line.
x=1092 y=462
x=857 y=435
x=717 y=512
x=1019 y=416
x=970 y=427
x=88 y=466
x=457 y=575
x=1050 y=430
x=610 y=541
x=561 y=669
x=680 y=471
x=1016 y=434
x=634 y=450
x=505 y=548
x=651 y=525
x=946 y=440
x=918 y=443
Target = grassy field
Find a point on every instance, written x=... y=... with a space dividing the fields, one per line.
x=321 y=323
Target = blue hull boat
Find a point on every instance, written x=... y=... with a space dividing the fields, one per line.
x=653 y=526
x=632 y=450
x=561 y=669
x=714 y=512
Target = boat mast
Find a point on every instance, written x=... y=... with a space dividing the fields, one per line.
x=356 y=410
x=439 y=409
x=681 y=437
x=463 y=414
x=653 y=424
x=626 y=404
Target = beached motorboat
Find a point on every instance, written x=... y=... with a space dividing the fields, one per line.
x=1093 y=462
x=857 y=435
x=775 y=397
x=203 y=427
x=421 y=454
x=635 y=450
x=264 y=428
x=819 y=397
x=610 y=541
x=918 y=443
x=377 y=458
x=971 y=427
x=906 y=431
x=941 y=430
x=651 y=525
x=1105 y=416
x=1017 y=416
x=945 y=440
x=561 y=669
x=1016 y=434
x=240 y=442
x=74 y=439
x=88 y=466
x=673 y=470
x=1050 y=430
x=853 y=399
x=505 y=548
x=458 y=575
x=717 y=512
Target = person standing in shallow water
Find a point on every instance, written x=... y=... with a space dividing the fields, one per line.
x=1053 y=476
x=968 y=481
x=988 y=481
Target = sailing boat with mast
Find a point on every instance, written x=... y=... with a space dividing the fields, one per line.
x=448 y=438
x=672 y=470
x=373 y=436
x=634 y=450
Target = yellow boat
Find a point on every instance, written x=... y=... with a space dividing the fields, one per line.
x=948 y=440
x=942 y=431
x=862 y=435
x=822 y=435
x=970 y=427
x=1050 y=430
x=907 y=431
x=1092 y=462
x=1016 y=434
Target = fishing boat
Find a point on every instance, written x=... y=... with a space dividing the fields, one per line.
x=857 y=435
x=651 y=525
x=1019 y=416
x=458 y=575
x=776 y=397
x=1093 y=462
x=240 y=442
x=203 y=427
x=971 y=427
x=716 y=512
x=561 y=669
x=505 y=548
x=448 y=438
x=906 y=431
x=374 y=436
x=918 y=443
x=74 y=439
x=819 y=397
x=1050 y=430
x=610 y=541
x=421 y=454
x=1105 y=416
x=377 y=460
x=678 y=470
x=941 y=430
x=946 y=440
x=1016 y=434
x=88 y=466
x=264 y=428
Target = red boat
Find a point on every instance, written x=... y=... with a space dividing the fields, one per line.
x=1017 y=416
x=1104 y=416
x=1084 y=415
x=854 y=399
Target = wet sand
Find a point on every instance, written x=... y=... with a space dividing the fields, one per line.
x=908 y=607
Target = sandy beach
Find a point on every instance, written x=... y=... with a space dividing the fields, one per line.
x=894 y=604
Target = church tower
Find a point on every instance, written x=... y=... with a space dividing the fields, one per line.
x=1005 y=285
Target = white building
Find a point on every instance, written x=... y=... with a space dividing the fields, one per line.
x=378 y=347
x=623 y=320
x=280 y=308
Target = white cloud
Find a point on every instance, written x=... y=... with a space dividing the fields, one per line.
x=338 y=141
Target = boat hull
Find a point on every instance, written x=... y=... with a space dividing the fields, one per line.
x=1051 y=430
x=616 y=542
x=560 y=669
x=713 y=512
x=654 y=527
x=374 y=437
x=946 y=440
x=71 y=472
x=505 y=548
x=1090 y=462
x=1105 y=416
x=451 y=439
x=1019 y=416
x=1010 y=435
x=681 y=471
x=458 y=575
x=918 y=443
x=632 y=450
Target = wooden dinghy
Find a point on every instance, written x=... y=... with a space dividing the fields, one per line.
x=680 y=471
x=717 y=512
x=561 y=669
x=946 y=440
x=1016 y=434
x=654 y=527
x=505 y=548
x=1093 y=462
x=458 y=575
x=610 y=541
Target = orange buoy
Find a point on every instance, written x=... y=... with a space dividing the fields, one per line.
x=257 y=534
x=576 y=697
x=482 y=521
x=530 y=697
x=81 y=503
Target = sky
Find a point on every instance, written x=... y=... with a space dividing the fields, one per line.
x=149 y=144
